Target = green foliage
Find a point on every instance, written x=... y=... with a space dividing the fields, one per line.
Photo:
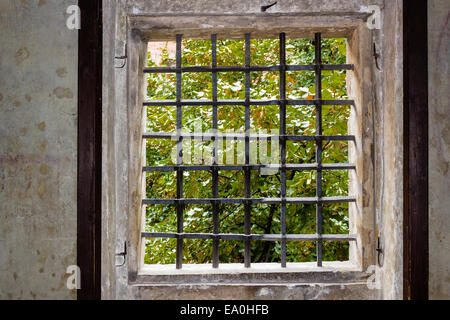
x=300 y=218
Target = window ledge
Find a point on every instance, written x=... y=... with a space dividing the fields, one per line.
x=262 y=273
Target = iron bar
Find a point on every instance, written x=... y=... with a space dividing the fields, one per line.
x=305 y=200
x=264 y=237
x=318 y=80
x=244 y=69
x=247 y=171
x=180 y=205
x=292 y=167
x=283 y=145
x=242 y=136
x=252 y=102
x=215 y=172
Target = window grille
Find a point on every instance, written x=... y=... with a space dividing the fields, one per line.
x=247 y=168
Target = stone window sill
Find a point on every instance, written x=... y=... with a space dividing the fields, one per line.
x=259 y=273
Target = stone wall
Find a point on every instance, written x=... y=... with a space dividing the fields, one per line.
x=38 y=149
x=439 y=148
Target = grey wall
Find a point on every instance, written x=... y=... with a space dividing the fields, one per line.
x=38 y=141
x=439 y=148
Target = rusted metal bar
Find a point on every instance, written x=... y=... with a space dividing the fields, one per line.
x=247 y=171
x=215 y=172
x=306 y=200
x=180 y=205
x=318 y=80
x=231 y=167
x=283 y=145
x=252 y=102
x=264 y=237
x=242 y=136
x=245 y=69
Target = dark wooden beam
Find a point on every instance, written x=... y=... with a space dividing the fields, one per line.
x=415 y=271
x=89 y=149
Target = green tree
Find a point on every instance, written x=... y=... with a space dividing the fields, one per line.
x=300 y=120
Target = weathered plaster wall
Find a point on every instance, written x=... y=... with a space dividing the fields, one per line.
x=439 y=148
x=246 y=6
x=38 y=141
x=38 y=93
x=108 y=152
x=388 y=149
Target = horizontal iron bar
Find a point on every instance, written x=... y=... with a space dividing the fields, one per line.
x=265 y=237
x=246 y=69
x=294 y=167
x=306 y=200
x=319 y=138
x=241 y=136
x=258 y=102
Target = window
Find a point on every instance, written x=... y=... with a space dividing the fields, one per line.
x=268 y=126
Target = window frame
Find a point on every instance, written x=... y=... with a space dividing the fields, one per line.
x=361 y=213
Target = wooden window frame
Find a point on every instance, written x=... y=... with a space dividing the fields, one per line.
x=89 y=149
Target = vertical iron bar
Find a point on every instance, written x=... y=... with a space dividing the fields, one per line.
x=179 y=258
x=283 y=144
x=318 y=78
x=215 y=173
x=247 y=206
